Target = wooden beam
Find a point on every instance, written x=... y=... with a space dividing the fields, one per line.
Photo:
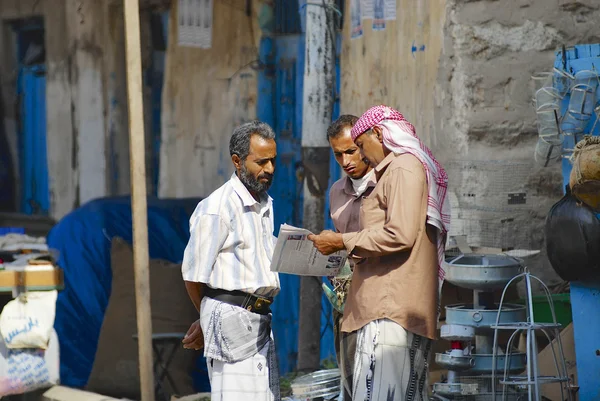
x=60 y=393
x=138 y=196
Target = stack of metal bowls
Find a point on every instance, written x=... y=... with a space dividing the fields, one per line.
x=320 y=385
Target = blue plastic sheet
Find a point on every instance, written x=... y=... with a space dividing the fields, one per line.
x=83 y=239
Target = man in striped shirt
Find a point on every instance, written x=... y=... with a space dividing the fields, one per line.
x=226 y=269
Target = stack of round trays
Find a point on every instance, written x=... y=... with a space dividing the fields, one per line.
x=482 y=272
x=457 y=332
x=482 y=318
x=322 y=384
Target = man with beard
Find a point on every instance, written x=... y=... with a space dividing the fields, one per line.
x=393 y=301
x=226 y=269
x=345 y=197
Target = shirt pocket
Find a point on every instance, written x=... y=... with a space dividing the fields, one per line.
x=372 y=212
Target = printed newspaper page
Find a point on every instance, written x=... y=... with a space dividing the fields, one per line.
x=295 y=254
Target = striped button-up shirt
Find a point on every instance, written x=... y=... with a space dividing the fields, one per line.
x=231 y=242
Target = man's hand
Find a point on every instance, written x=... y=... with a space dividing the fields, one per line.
x=327 y=242
x=194 y=338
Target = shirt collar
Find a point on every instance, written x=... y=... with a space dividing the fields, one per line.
x=380 y=168
x=245 y=195
x=349 y=190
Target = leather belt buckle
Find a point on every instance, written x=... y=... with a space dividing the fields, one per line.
x=259 y=304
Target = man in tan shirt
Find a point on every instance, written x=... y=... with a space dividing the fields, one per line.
x=345 y=198
x=394 y=296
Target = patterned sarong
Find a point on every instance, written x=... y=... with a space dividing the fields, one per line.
x=391 y=363
x=240 y=353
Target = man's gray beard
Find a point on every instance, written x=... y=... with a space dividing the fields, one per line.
x=252 y=184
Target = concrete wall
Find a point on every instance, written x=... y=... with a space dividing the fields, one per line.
x=207 y=93
x=469 y=93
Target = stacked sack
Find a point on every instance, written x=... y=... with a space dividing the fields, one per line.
x=573 y=224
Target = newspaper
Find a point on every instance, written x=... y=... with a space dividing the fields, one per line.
x=295 y=254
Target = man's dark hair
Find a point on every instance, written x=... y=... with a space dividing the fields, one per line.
x=239 y=144
x=335 y=129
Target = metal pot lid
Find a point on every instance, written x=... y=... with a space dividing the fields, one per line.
x=483 y=260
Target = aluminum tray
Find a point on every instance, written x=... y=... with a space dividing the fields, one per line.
x=454 y=362
x=482 y=397
x=456 y=332
x=482 y=272
x=465 y=314
x=455 y=389
x=483 y=363
x=322 y=383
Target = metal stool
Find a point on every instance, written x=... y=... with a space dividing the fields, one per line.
x=165 y=345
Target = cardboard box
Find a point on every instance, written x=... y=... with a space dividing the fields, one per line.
x=548 y=368
x=32 y=280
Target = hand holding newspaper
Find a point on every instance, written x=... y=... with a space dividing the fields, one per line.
x=295 y=254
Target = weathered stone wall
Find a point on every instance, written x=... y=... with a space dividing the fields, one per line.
x=484 y=102
x=475 y=109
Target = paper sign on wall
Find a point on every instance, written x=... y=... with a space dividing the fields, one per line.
x=379 y=15
x=356 y=29
x=194 y=23
x=390 y=10
x=367 y=9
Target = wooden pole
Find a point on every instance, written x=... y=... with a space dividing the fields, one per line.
x=138 y=196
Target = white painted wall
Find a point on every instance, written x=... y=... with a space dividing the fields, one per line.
x=86 y=19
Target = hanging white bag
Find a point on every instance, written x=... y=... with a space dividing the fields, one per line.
x=27 y=321
x=24 y=370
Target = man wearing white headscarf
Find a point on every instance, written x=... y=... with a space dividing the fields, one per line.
x=393 y=303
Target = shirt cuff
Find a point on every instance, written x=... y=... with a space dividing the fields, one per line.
x=349 y=240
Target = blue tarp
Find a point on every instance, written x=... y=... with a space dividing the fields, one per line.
x=83 y=239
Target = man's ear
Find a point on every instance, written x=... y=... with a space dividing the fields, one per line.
x=378 y=134
x=237 y=162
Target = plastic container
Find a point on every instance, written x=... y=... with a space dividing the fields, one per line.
x=547 y=151
x=543 y=314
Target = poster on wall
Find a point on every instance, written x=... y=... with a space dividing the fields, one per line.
x=194 y=23
x=379 y=15
x=367 y=9
x=390 y=10
x=356 y=29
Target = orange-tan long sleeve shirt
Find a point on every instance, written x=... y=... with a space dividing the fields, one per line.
x=397 y=274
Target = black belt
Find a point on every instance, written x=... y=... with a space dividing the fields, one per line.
x=242 y=299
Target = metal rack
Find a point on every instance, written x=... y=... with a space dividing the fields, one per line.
x=470 y=324
x=531 y=380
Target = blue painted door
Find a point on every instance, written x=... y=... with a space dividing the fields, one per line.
x=279 y=105
x=280 y=86
x=155 y=74
x=35 y=194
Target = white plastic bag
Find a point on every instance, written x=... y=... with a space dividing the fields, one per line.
x=27 y=321
x=24 y=370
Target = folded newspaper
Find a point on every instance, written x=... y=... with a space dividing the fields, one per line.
x=295 y=254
